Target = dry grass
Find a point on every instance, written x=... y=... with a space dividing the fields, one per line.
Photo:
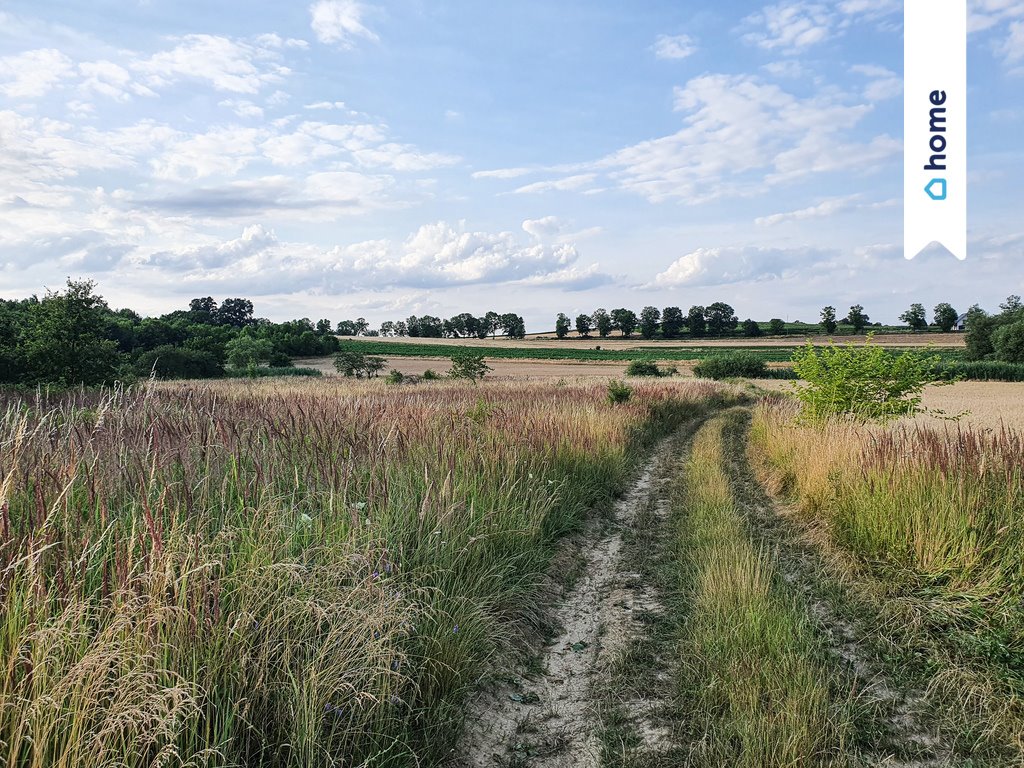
x=284 y=573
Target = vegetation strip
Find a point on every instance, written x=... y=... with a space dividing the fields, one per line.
x=755 y=688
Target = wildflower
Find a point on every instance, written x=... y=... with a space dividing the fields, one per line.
x=395 y=665
x=376 y=574
x=376 y=634
x=455 y=629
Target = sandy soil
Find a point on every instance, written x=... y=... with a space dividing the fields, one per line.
x=542 y=341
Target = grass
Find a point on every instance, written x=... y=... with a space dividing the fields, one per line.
x=752 y=682
x=930 y=522
x=652 y=353
x=285 y=572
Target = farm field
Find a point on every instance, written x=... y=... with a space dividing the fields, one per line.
x=330 y=572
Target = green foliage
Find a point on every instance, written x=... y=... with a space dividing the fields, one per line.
x=695 y=321
x=776 y=326
x=915 y=317
x=351 y=361
x=468 y=365
x=1008 y=341
x=752 y=329
x=625 y=320
x=828 y=319
x=720 y=319
x=430 y=375
x=395 y=376
x=945 y=316
x=866 y=382
x=981 y=370
x=619 y=392
x=273 y=372
x=248 y=352
x=858 y=319
x=650 y=317
x=602 y=322
x=727 y=365
x=170 y=362
x=562 y=325
x=584 y=325
x=648 y=368
x=672 y=322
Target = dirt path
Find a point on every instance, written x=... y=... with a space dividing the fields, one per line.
x=904 y=738
x=550 y=719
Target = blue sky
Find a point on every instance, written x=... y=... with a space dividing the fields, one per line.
x=339 y=158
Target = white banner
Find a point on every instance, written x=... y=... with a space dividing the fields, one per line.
x=935 y=126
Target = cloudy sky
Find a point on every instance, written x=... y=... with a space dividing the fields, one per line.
x=390 y=157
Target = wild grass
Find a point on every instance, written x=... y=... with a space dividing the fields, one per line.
x=284 y=572
x=752 y=682
x=932 y=520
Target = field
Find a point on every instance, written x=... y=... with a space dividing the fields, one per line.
x=330 y=572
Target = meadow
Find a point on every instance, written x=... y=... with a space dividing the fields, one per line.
x=285 y=573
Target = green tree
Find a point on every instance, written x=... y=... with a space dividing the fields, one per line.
x=752 y=329
x=1008 y=341
x=857 y=318
x=583 y=326
x=915 y=317
x=468 y=365
x=649 y=319
x=602 y=322
x=776 y=326
x=695 y=321
x=866 y=382
x=248 y=352
x=945 y=316
x=513 y=325
x=235 y=312
x=625 y=320
x=828 y=319
x=720 y=318
x=562 y=325
x=62 y=342
x=672 y=322
x=489 y=324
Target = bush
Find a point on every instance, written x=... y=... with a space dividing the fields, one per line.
x=352 y=362
x=731 y=365
x=170 y=362
x=395 y=377
x=776 y=326
x=643 y=368
x=279 y=360
x=866 y=382
x=430 y=375
x=619 y=392
x=262 y=373
x=468 y=365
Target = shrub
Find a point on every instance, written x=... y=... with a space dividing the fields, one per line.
x=867 y=382
x=619 y=392
x=732 y=364
x=981 y=370
x=776 y=326
x=643 y=368
x=430 y=375
x=262 y=373
x=279 y=360
x=468 y=365
x=170 y=362
x=395 y=377
x=352 y=362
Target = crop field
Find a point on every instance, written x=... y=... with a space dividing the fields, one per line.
x=331 y=572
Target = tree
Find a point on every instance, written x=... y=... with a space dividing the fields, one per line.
x=625 y=320
x=650 y=317
x=203 y=310
x=602 y=322
x=720 y=318
x=401 y=329
x=857 y=318
x=776 y=326
x=752 y=329
x=1011 y=305
x=323 y=327
x=695 y=321
x=387 y=328
x=235 y=312
x=62 y=341
x=1008 y=341
x=490 y=324
x=915 y=317
x=583 y=326
x=468 y=365
x=672 y=322
x=351 y=362
x=177 y=363
x=248 y=352
x=562 y=325
x=828 y=319
x=513 y=325
x=945 y=316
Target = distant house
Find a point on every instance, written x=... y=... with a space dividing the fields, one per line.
x=961 y=323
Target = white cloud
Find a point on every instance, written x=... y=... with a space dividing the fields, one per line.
x=790 y=27
x=674 y=46
x=31 y=74
x=339 y=21
x=719 y=266
x=109 y=79
x=543 y=228
x=243 y=108
x=326 y=105
x=218 y=151
x=823 y=209
x=883 y=83
x=231 y=65
x=503 y=173
x=567 y=184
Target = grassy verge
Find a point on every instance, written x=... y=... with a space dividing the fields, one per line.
x=929 y=526
x=284 y=572
x=752 y=676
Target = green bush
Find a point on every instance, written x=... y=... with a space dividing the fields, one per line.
x=468 y=365
x=395 y=377
x=261 y=373
x=643 y=368
x=732 y=365
x=619 y=392
x=867 y=382
x=170 y=362
x=430 y=375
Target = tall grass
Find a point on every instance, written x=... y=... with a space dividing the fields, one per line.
x=933 y=520
x=752 y=680
x=283 y=573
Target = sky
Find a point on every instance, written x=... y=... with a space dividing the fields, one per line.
x=336 y=158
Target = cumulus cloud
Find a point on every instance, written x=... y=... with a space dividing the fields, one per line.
x=674 y=46
x=107 y=78
x=719 y=266
x=503 y=173
x=339 y=22
x=566 y=184
x=31 y=74
x=882 y=83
